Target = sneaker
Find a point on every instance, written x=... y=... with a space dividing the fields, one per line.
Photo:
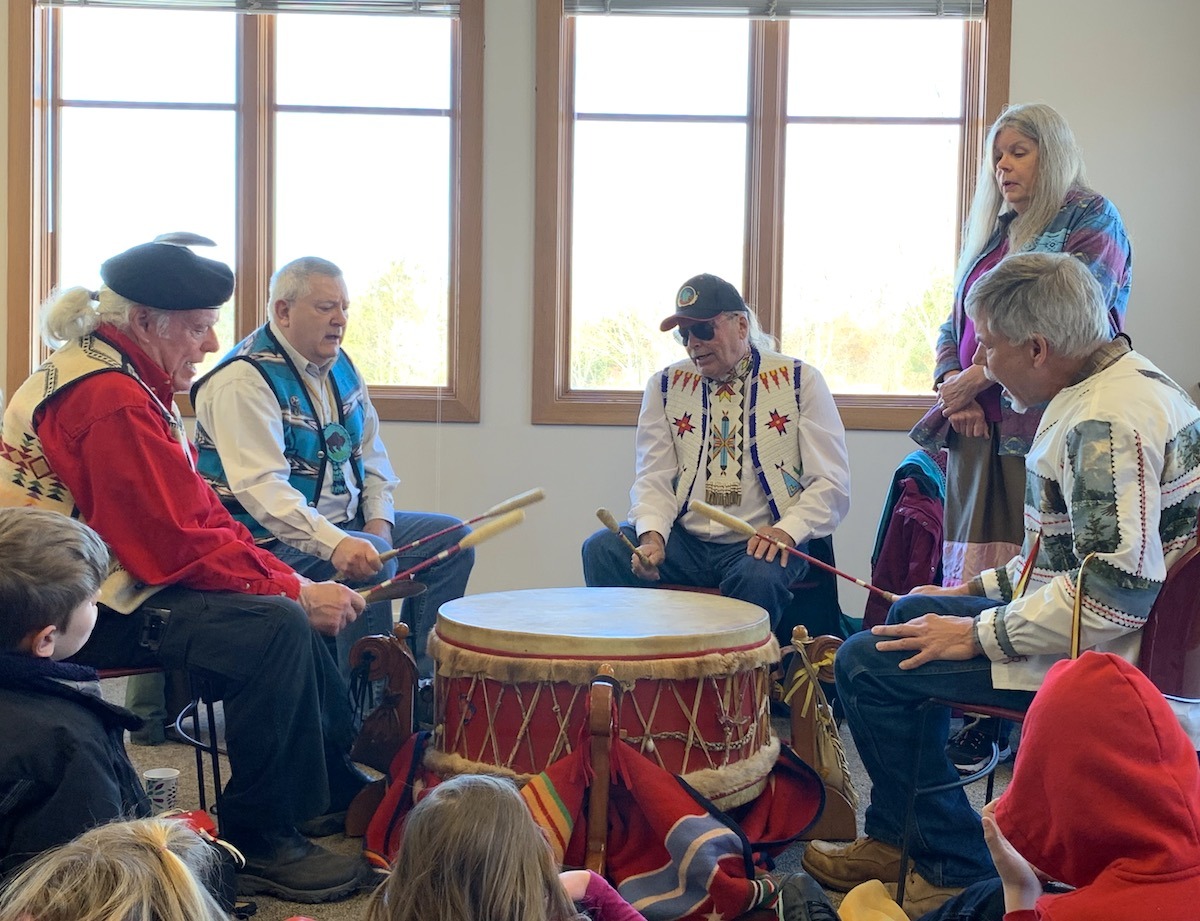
x=970 y=748
x=843 y=866
x=289 y=866
x=802 y=899
x=922 y=896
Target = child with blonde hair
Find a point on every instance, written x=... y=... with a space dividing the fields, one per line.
x=472 y=852
x=142 y=870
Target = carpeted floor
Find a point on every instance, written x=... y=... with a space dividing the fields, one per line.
x=182 y=757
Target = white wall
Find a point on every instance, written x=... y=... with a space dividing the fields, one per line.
x=1127 y=78
x=1124 y=74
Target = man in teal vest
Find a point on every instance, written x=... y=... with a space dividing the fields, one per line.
x=288 y=438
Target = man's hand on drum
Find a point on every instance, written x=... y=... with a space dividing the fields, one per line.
x=654 y=548
x=764 y=546
x=330 y=606
x=933 y=637
x=356 y=558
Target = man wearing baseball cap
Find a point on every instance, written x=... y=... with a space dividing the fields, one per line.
x=94 y=433
x=739 y=426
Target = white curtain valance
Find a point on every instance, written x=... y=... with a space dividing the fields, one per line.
x=780 y=9
x=380 y=7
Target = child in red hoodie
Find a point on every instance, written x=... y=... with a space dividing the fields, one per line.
x=1105 y=797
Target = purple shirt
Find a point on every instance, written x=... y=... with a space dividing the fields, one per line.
x=989 y=398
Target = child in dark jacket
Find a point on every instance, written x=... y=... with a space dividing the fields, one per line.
x=63 y=766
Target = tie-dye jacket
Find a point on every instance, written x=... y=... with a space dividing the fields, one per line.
x=1090 y=228
x=1114 y=471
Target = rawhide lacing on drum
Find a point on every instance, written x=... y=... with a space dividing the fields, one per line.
x=459 y=660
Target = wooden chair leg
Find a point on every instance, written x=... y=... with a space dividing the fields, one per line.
x=600 y=727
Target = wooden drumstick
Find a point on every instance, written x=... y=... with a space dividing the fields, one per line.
x=744 y=527
x=520 y=500
x=478 y=536
x=610 y=522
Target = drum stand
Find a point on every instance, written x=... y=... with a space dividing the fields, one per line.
x=385 y=730
x=815 y=737
x=600 y=727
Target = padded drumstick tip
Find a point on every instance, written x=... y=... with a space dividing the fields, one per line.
x=492 y=528
x=608 y=520
x=520 y=500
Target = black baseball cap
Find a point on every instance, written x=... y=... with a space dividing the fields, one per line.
x=702 y=297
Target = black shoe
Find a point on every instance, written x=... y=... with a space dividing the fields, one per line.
x=289 y=866
x=803 y=899
x=970 y=748
x=321 y=826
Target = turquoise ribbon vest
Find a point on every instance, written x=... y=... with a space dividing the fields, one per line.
x=304 y=436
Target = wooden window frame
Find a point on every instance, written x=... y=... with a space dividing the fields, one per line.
x=32 y=246
x=985 y=90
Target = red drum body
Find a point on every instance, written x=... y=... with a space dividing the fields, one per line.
x=693 y=672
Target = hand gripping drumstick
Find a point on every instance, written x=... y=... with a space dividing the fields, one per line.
x=743 y=527
x=520 y=500
x=610 y=522
x=478 y=536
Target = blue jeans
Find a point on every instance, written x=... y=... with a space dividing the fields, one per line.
x=881 y=703
x=691 y=561
x=445 y=581
x=982 y=901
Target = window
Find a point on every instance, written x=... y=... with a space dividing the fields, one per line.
x=351 y=137
x=669 y=146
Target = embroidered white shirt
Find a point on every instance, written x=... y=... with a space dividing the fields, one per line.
x=822 y=505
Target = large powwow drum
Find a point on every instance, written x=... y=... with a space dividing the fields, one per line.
x=514 y=671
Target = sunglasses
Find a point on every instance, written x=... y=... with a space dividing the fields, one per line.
x=702 y=331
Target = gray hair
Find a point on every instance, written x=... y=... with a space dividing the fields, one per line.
x=1060 y=169
x=760 y=338
x=290 y=282
x=1047 y=294
x=73 y=312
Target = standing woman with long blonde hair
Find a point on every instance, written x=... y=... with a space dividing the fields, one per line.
x=1031 y=195
x=472 y=852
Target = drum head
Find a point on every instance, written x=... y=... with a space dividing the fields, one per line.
x=602 y=623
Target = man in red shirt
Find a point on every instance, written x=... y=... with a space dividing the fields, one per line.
x=94 y=433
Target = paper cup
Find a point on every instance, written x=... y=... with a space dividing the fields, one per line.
x=162 y=786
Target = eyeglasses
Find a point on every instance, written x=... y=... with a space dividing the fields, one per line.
x=702 y=331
